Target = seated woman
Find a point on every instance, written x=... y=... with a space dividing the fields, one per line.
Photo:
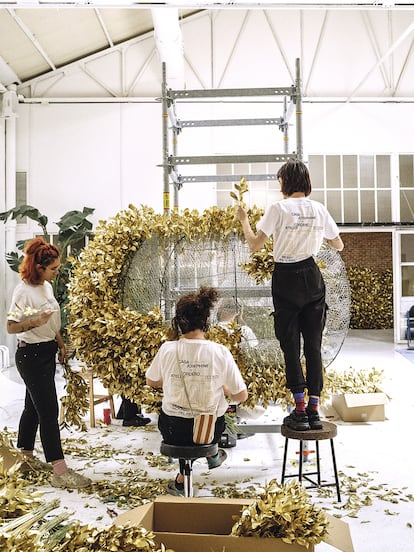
x=209 y=371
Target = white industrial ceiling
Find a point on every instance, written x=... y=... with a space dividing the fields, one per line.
x=347 y=50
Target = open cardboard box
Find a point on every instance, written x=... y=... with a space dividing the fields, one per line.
x=204 y=525
x=360 y=407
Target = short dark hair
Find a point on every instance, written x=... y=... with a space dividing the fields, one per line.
x=295 y=178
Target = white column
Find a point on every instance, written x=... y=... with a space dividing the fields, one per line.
x=10 y=202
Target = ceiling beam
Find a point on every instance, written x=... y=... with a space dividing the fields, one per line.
x=104 y=27
x=32 y=38
x=390 y=50
x=7 y=75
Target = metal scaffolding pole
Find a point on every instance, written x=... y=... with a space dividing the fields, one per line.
x=299 y=143
x=170 y=162
x=166 y=194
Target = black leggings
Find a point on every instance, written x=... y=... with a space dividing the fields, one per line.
x=36 y=364
x=179 y=431
x=298 y=292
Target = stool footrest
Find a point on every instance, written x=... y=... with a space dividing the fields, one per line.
x=186 y=455
x=328 y=431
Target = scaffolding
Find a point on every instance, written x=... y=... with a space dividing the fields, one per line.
x=171 y=124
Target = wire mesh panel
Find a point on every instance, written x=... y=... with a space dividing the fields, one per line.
x=158 y=276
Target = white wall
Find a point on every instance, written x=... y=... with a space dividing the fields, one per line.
x=105 y=155
x=96 y=155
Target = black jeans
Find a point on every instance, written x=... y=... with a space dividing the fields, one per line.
x=179 y=431
x=298 y=292
x=36 y=364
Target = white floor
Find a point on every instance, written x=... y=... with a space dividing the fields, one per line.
x=375 y=459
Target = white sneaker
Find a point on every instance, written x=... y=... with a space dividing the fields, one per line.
x=70 y=480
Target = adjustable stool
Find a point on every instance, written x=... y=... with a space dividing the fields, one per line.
x=328 y=431
x=188 y=454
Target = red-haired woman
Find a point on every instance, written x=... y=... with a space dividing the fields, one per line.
x=35 y=317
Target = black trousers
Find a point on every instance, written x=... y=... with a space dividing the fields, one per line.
x=298 y=292
x=128 y=409
x=36 y=364
x=179 y=431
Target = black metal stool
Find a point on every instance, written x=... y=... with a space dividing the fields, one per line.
x=328 y=431
x=188 y=454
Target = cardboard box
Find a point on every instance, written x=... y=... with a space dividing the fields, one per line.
x=360 y=407
x=204 y=525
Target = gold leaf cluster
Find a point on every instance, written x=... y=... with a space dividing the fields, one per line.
x=354 y=381
x=75 y=386
x=85 y=538
x=15 y=499
x=371 y=298
x=285 y=512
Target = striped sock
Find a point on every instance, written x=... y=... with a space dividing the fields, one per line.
x=299 y=402
x=313 y=404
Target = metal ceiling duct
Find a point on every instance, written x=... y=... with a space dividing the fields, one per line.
x=169 y=43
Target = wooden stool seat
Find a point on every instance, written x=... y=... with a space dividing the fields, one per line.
x=328 y=431
x=188 y=454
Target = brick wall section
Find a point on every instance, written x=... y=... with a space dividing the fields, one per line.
x=368 y=250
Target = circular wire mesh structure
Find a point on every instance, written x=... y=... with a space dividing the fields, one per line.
x=154 y=279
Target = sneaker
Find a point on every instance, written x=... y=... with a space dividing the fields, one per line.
x=175 y=489
x=298 y=421
x=70 y=480
x=136 y=421
x=314 y=420
x=217 y=460
x=33 y=464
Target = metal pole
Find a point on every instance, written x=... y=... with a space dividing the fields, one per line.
x=299 y=141
x=166 y=194
x=285 y=127
x=175 y=140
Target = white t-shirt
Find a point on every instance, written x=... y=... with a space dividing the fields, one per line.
x=29 y=301
x=206 y=366
x=298 y=226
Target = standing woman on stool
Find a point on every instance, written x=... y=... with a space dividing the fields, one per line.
x=298 y=226
x=35 y=317
x=210 y=373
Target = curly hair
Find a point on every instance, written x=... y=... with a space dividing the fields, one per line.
x=37 y=252
x=295 y=178
x=192 y=311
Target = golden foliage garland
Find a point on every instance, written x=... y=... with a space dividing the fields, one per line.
x=114 y=341
x=118 y=343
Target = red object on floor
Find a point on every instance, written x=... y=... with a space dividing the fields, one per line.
x=107 y=416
